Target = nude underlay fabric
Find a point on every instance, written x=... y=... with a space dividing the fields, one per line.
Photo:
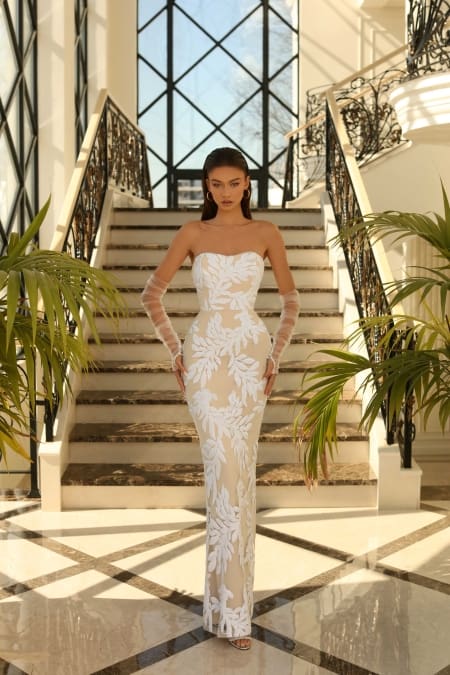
x=225 y=353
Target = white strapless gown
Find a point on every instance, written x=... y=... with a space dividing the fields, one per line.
x=225 y=353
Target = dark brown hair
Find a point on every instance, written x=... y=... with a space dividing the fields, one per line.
x=224 y=157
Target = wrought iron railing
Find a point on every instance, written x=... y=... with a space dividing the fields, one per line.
x=115 y=157
x=349 y=204
x=370 y=120
x=428 y=37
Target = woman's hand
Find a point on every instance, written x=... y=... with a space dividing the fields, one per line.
x=180 y=371
x=270 y=375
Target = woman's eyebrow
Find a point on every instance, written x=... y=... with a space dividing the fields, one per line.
x=216 y=180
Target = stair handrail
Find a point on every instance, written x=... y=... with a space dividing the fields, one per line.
x=371 y=120
x=368 y=265
x=341 y=83
x=113 y=154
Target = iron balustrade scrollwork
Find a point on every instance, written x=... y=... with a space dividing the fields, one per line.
x=117 y=159
x=370 y=120
x=367 y=284
x=428 y=37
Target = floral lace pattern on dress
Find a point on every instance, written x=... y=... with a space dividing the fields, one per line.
x=225 y=353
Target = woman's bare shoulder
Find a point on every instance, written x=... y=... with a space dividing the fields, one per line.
x=268 y=229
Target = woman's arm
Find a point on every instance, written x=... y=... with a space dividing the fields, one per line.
x=155 y=289
x=276 y=252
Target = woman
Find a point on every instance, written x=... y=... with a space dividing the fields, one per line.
x=226 y=370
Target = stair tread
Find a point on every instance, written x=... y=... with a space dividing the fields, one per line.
x=135 y=288
x=167 y=397
x=151 y=338
x=163 y=366
x=147 y=267
x=164 y=247
x=192 y=474
x=139 y=311
x=171 y=226
x=160 y=432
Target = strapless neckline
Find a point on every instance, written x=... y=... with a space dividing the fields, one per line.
x=228 y=255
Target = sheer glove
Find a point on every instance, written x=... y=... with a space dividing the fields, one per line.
x=289 y=312
x=151 y=299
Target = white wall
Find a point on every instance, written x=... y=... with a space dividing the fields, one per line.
x=338 y=37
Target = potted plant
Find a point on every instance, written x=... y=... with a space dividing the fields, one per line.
x=421 y=373
x=39 y=290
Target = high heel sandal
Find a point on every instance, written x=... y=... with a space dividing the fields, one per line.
x=234 y=642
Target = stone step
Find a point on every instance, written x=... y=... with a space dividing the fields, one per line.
x=304 y=276
x=167 y=406
x=185 y=298
x=142 y=346
x=175 y=217
x=158 y=375
x=182 y=486
x=152 y=254
x=309 y=321
x=161 y=443
x=312 y=235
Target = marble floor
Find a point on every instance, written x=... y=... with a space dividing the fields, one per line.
x=109 y=592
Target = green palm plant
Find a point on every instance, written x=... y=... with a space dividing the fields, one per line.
x=40 y=292
x=398 y=366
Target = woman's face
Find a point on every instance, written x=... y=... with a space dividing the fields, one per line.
x=226 y=185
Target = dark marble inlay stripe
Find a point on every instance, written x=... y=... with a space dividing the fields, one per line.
x=19 y=510
x=444 y=671
x=153 y=655
x=307 y=652
x=7 y=668
x=304 y=543
x=414 y=578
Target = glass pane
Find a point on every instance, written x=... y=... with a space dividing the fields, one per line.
x=190 y=128
x=27 y=24
x=160 y=195
x=13 y=120
x=147 y=9
x=275 y=194
x=190 y=193
x=217 y=85
x=280 y=121
x=8 y=180
x=197 y=158
x=284 y=86
x=14 y=12
x=245 y=43
x=8 y=69
x=189 y=44
x=288 y=9
x=158 y=169
x=29 y=76
x=152 y=43
x=283 y=43
x=154 y=126
x=217 y=18
x=28 y=131
x=151 y=85
x=245 y=128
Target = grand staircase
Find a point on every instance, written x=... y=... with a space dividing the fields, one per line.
x=133 y=443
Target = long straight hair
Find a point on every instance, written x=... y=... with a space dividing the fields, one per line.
x=224 y=157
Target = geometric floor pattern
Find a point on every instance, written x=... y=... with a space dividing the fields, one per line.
x=118 y=591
